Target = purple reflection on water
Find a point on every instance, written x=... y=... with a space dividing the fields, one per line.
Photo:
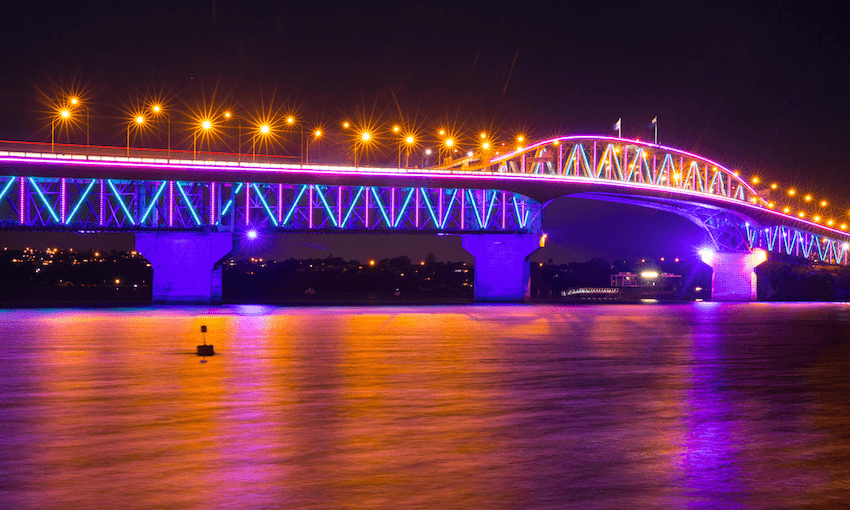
x=698 y=406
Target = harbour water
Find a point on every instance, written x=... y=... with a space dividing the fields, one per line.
x=695 y=405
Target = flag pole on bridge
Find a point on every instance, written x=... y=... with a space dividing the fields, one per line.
x=655 y=125
x=618 y=127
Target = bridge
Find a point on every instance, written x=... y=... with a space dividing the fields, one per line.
x=185 y=212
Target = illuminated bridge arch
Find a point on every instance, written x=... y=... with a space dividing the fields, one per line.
x=737 y=216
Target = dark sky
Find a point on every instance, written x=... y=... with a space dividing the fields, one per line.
x=759 y=87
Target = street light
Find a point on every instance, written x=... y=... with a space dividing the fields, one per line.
x=449 y=143
x=157 y=110
x=426 y=153
x=263 y=130
x=365 y=137
x=205 y=126
x=316 y=134
x=75 y=102
x=290 y=120
x=138 y=121
x=409 y=140
x=229 y=116
x=62 y=115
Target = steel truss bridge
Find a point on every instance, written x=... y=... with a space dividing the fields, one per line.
x=100 y=189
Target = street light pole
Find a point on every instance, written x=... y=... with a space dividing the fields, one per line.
x=316 y=134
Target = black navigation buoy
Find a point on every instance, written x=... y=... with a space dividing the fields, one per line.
x=205 y=350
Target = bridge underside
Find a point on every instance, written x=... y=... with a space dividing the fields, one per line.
x=738 y=243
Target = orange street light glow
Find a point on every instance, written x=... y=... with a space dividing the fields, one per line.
x=791 y=192
x=485 y=145
x=366 y=136
x=264 y=129
x=808 y=198
x=396 y=129
x=773 y=186
x=409 y=139
x=345 y=125
x=823 y=203
x=290 y=120
x=206 y=124
x=442 y=132
x=140 y=120
x=318 y=133
x=449 y=142
x=226 y=115
x=156 y=108
x=786 y=210
x=65 y=114
x=755 y=180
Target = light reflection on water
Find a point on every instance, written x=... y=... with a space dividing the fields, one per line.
x=685 y=406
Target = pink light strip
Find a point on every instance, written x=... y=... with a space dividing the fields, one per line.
x=102 y=200
x=62 y=201
x=280 y=203
x=23 y=198
x=247 y=204
x=212 y=203
x=170 y=203
x=339 y=206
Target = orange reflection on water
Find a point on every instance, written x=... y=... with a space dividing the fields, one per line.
x=468 y=406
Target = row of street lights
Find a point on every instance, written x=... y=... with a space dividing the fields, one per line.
x=205 y=127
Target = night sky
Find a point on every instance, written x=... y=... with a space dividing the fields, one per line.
x=760 y=88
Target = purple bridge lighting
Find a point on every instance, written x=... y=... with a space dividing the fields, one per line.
x=184 y=213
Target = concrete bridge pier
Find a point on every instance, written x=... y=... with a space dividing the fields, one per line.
x=502 y=272
x=733 y=278
x=185 y=265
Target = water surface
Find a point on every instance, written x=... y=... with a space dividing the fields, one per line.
x=615 y=406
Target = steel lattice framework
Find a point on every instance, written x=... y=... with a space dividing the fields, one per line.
x=86 y=191
x=139 y=205
x=620 y=160
x=733 y=232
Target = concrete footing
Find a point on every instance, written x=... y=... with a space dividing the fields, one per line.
x=501 y=265
x=185 y=265
x=733 y=278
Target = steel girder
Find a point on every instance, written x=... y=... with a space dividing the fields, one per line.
x=734 y=233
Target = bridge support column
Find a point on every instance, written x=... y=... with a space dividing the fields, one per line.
x=733 y=278
x=501 y=265
x=184 y=264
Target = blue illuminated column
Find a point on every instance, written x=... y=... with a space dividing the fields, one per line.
x=185 y=265
x=501 y=265
x=733 y=278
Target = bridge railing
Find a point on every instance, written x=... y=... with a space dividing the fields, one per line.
x=142 y=152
